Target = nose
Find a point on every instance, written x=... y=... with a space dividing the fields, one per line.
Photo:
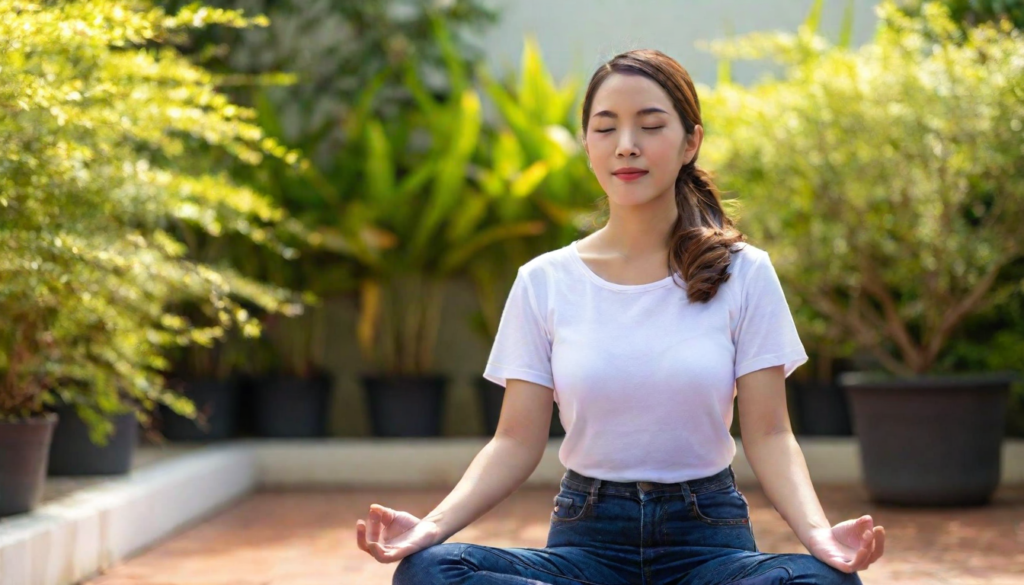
x=627 y=145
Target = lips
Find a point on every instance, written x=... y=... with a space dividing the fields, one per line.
x=630 y=174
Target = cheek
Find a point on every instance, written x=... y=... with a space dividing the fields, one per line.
x=665 y=151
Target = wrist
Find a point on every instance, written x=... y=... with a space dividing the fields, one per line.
x=804 y=532
x=441 y=533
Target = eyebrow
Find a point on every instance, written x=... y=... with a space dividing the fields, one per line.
x=643 y=112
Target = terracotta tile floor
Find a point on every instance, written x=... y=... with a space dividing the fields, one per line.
x=307 y=538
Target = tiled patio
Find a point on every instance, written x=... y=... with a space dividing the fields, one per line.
x=307 y=538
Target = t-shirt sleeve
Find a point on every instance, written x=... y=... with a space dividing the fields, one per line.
x=522 y=345
x=766 y=334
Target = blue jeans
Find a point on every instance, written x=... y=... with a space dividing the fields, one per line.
x=630 y=533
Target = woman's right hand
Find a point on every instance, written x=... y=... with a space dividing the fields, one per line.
x=391 y=535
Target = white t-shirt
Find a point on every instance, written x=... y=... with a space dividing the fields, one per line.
x=644 y=380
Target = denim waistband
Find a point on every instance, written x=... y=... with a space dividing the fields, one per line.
x=581 y=482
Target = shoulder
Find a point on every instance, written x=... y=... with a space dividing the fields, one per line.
x=747 y=257
x=544 y=267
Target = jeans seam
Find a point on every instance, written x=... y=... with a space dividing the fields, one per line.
x=713 y=487
x=717 y=521
x=517 y=561
x=789 y=574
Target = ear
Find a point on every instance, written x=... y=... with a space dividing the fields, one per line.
x=693 y=142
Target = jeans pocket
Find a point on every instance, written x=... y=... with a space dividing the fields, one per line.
x=721 y=507
x=570 y=506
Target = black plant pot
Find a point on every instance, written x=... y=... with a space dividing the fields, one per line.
x=929 y=440
x=246 y=424
x=217 y=399
x=491 y=397
x=73 y=453
x=822 y=408
x=24 y=450
x=405 y=406
x=291 y=407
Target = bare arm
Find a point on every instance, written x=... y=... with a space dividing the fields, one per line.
x=773 y=452
x=504 y=463
x=780 y=467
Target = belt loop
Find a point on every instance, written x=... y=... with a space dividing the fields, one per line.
x=733 y=474
x=593 y=490
x=684 y=490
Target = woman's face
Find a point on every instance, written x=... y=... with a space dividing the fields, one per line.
x=633 y=124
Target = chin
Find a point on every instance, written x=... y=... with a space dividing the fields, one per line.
x=633 y=198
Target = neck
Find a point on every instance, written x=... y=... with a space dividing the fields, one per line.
x=635 y=231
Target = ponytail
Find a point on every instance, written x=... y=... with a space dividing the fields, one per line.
x=703 y=235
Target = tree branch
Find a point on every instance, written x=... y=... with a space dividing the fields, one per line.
x=894 y=324
x=957 y=312
x=865 y=335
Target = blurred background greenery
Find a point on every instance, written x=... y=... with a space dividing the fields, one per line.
x=189 y=193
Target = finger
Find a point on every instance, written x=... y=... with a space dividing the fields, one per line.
x=361 y=536
x=871 y=552
x=383 y=554
x=842 y=564
x=863 y=553
x=867 y=522
x=879 y=544
x=373 y=524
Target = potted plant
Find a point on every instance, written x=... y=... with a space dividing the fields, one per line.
x=536 y=170
x=207 y=379
x=885 y=178
x=99 y=420
x=92 y=439
x=818 y=404
x=410 y=184
x=90 y=264
x=291 y=395
x=993 y=340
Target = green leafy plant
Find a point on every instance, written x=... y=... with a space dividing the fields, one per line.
x=413 y=183
x=972 y=12
x=334 y=49
x=536 y=170
x=886 y=179
x=100 y=174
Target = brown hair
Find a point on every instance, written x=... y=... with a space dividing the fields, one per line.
x=703 y=235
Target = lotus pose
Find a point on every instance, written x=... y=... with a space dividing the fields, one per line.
x=643 y=332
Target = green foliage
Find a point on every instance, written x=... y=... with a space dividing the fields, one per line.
x=536 y=170
x=344 y=61
x=885 y=179
x=973 y=12
x=334 y=49
x=100 y=175
x=416 y=179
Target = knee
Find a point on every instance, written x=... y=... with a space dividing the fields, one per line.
x=831 y=576
x=849 y=579
x=431 y=566
x=812 y=571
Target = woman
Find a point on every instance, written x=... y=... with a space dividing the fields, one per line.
x=648 y=328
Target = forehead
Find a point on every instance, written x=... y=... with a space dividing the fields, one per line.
x=626 y=94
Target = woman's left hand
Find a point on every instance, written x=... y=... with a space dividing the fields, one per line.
x=849 y=546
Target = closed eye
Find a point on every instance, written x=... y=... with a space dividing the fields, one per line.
x=645 y=128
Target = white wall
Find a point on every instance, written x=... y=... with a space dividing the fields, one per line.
x=579 y=35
